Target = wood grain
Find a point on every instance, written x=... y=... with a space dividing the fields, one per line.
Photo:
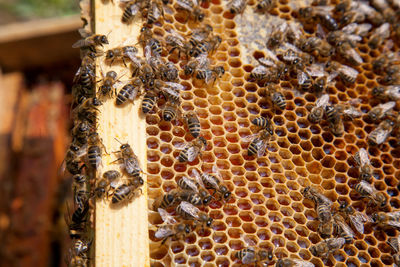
x=121 y=234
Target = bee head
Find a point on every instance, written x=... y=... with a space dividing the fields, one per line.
x=103 y=39
x=187 y=228
x=109 y=54
x=207 y=200
x=203 y=140
x=209 y=222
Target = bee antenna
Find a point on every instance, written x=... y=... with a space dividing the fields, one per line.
x=118 y=140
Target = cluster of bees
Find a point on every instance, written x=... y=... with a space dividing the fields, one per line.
x=315 y=53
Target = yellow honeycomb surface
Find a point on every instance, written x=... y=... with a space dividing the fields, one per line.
x=267 y=206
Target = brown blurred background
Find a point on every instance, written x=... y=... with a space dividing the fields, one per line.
x=37 y=65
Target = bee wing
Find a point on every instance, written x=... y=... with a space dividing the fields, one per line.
x=250 y=242
x=351 y=52
x=395 y=224
x=336 y=242
x=367 y=187
x=190 y=183
x=203 y=60
x=209 y=76
x=357 y=222
x=168 y=219
x=184 y=5
x=175 y=86
x=171 y=91
x=271 y=55
x=190 y=209
x=393 y=215
x=352 y=112
x=383 y=31
x=301 y=263
x=266 y=62
x=180 y=145
x=381 y=135
x=260 y=69
x=249 y=138
x=348 y=71
x=177 y=35
x=323 y=101
x=364 y=159
x=301 y=77
x=249 y=257
x=192 y=153
x=316 y=70
x=80 y=43
x=387 y=106
x=394 y=243
x=262 y=146
x=197 y=176
x=323 y=9
x=363 y=29
x=345 y=228
x=84 y=33
x=163 y=232
x=320 y=32
x=295 y=29
x=393 y=92
x=130 y=165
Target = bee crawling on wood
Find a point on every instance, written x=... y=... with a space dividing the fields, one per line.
x=90 y=40
x=170 y=228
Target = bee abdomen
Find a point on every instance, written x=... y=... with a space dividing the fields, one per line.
x=183 y=157
x=127 y=15
x=121 y=193
x=148 y=103
x=169 y=114
x=124 y=94
x=94 y=155
x=252 y=150
x=194 y=128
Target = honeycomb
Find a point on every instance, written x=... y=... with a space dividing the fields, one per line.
x=268 y=207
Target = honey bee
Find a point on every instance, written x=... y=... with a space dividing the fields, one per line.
x=126 y=192
x=122 y=53
x=90 y=40
x=205 y=47
x=192 y=185
x=145 y=35
x=81 y=247
x=357 y=29
x=391 y=92
x=81 y=132
x=325 y=227
x=146 y=75
x=193 y=123
x=381 y=133
x=154 y=46
x=172 y=231
x=192 y=149
x=86 y=72
x=314 y=194
x=259 y=73
x=356 y=218
x=327 y=246
x=200 y=34
x=387 y=218
x=210 y=74
x=237 y=6
x=81 y=189
x=167 y=200
x=288 y=262
x=87 y=109
x=129 y=160
x=169 y=72
x=177 y=42
x=109 y=84
x=128 y=92
x=192 y=8
x=304 y=80
x=259 y=142
x=78 y=220
x=108 y=180
x=254 y=255
x=335 y=120
x=199 y=62
x=73 y=157
x=381 y=111
x=379 y=35
x=263 y=122
x=131 y=8
x=213 y=182
x=265 y=5
x=171 y=110
x=343 y=229
x=317 y=112
x=347 y=111
x=295 y=58
x=314 y=43
x=189 y=212
x=148 y=102
x=277 y=97
x=394 y=243
x=277 y=36
x=94 y=152
x=77 y=261
x=346 y=73
x=320 y=14
x=376 y=197
x=361 y=157
x=344 y=45
x=155 y=11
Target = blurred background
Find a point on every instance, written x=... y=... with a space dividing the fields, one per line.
x=37 y=65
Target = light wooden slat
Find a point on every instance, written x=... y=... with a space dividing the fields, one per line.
x=121 y=235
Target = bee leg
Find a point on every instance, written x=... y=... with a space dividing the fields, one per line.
x=116 y=159
x=123 y=60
